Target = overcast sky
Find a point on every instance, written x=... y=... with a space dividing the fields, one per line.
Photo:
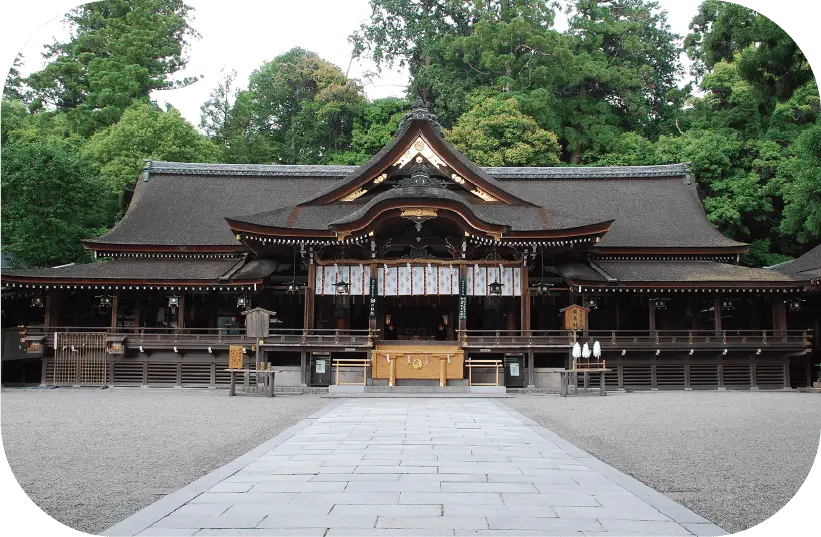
x=242 y=34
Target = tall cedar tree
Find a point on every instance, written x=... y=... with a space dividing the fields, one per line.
x=118 y=52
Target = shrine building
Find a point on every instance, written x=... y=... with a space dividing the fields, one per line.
x=417 y=268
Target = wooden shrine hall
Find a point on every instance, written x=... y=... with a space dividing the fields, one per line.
x=417 y=268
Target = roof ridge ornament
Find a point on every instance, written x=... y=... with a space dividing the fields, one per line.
x=419 y=111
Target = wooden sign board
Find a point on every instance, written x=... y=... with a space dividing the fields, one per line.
x=235 y=357
x=575 y=317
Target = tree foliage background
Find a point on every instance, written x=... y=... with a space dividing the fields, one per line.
x=509 y=88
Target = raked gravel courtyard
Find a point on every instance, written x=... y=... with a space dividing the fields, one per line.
x=91 y=458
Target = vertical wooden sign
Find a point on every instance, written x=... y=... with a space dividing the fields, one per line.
x=372 y=299
x=463 y=299
x=235 y=357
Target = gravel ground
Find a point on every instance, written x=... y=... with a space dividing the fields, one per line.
x=735 y=458
x=90 y=457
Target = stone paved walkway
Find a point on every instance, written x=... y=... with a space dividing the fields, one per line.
x=416 y=467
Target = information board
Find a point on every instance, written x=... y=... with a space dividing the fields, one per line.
x=235 y=357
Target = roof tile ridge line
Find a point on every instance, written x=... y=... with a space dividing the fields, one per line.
x=595 y=266
x=234 y=268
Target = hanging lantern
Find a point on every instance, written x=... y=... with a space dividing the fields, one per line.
x=543 y=289
x=173 y=301
x=242 y=301
x=104 y=301
x=495 y=289
x=795 y=304
x=596 y=350
x=293 y=288
x=37 y=302
x=586 y=351
x=342 y=287
x=593 y=304
x=577 y=350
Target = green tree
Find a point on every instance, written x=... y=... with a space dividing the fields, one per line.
x=495 y=132
x=802 y=213
x=767 y=57
x=305 y=107
x=144 y=132
x=119 y=51
x=52 y=199
x=372 y=130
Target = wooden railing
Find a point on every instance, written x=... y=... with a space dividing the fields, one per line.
x=516 y=338
x=205 y=337
x=785 y=340
x=641 y=340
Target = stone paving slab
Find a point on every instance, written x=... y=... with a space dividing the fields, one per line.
x=425 y=467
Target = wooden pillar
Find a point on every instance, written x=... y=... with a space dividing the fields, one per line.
x=618 y=313
x=525 y=299
x=310 y=296
x=753 y=373
x=779 y=314
x=586 y=313
x=303 y=367
x=181 y=312
x=115 y=302
x=51 y=303
x=43 y=371
x=138 y=305
x=652 y=315
x=717 y=312
x=530 y=372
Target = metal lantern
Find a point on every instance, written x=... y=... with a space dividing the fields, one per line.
x=293 y=287
x=795 y=304
x=242 y=301
x=661 y=303
x=728 y=305
x=543 y=288
x=173 y=301
x=37 y=302
x=593 y=304
x=495 y=289
x=342 y=287
x=105 y=301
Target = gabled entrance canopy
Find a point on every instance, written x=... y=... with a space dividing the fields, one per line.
x=418 y=176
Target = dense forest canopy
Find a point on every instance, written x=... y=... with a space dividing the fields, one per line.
x=509 y=88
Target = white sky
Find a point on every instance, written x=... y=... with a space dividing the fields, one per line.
x=242 y=34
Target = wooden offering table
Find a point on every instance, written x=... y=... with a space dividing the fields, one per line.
x=430 y=362
x=265 y=379
x=585 y=368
